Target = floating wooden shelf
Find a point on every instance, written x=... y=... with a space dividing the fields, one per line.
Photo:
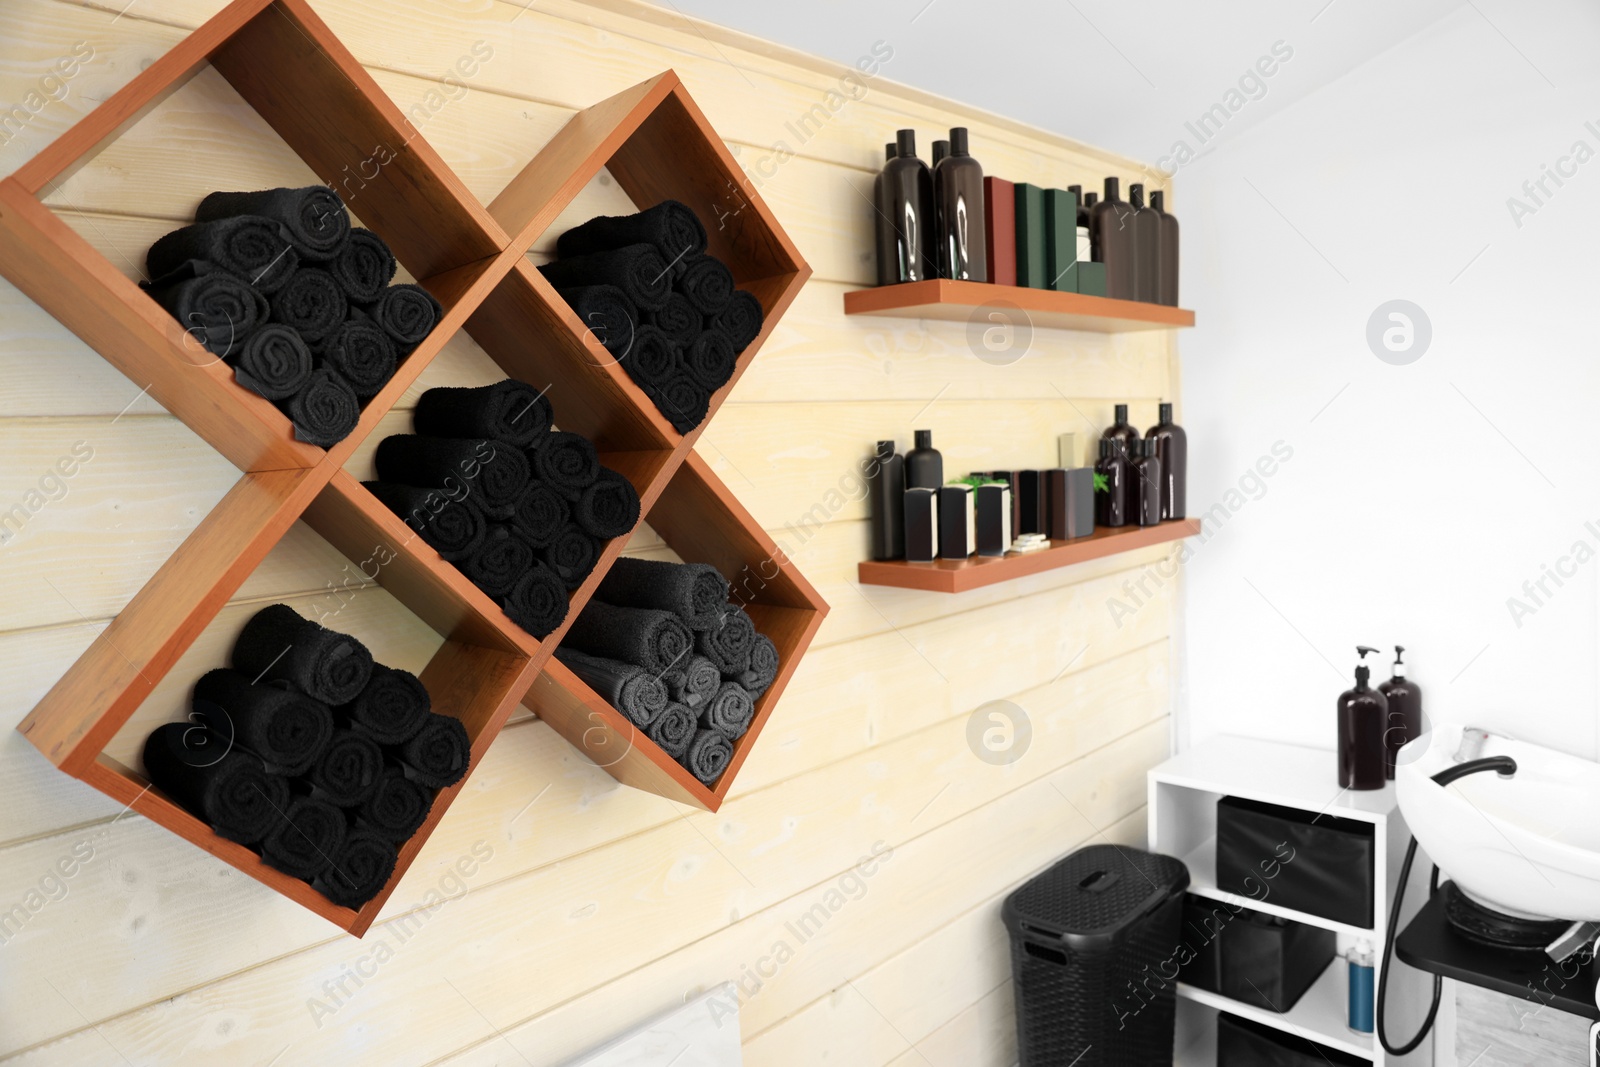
x=960 y=575
x=658 y=145
x=963 y=301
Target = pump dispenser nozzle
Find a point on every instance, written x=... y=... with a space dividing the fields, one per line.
x=1399 y=667
x=1363 y=672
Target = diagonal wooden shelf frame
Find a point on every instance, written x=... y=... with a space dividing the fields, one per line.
x=658 y=145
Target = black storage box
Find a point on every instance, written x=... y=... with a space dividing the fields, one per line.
x=1319 y=864
x=1204 y=921
x=1093 y=943
x=1268 y=962
x=1246 y=1043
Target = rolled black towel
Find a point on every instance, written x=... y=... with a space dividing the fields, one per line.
x=630 y=689
x=539 y=602
x=325 y=409
x=453 y=528
x=501 y=561
x=728 y=643
x=306 y=838
x=696 y=592
x=608 y=508
x=249 y=247
x=274 y=362
x=390 y=709
x=706 y=282
x=507 y=411
x=347 y=774
x=670 y=226
x=277 y=645
x=678 y=319
x=494 y=474
x=408 y=313
x=362 y=353
x=312 y=303
x=700 y=682
x=607 y=313
x=654 y=640
x=541 y=514
x=673 y=729
x=363 y=267
x=360 y=869
x=287 y=731
x=683 y=401
x=438 y=755
x=653 y=359
x=227 y=789
x=217 y=309
x=638 y=270
x=729 y=711
x=567 y=463
x=571 y=554
x=762 y=669
x=740 y=320
x=708 y=756
x=710 y=360
x=313 y=217
x=397 y=808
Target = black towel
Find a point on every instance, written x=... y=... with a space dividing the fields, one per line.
x=273 y=363
x=360 y=869
x=408 y=313
x=541 y=514
x=678 y=319
x=729 y=711
x=227 y=789
x=607 y=313
x=608 y=508
x=710 y=360
x=728 y=643
x=672 y=730
x=453 y=528
x=397 y=808
x=500 y=562
x=218 y=310
x=762 y=669
x=670 y=226
x=325 y=409
x=567 y=463
x=571 y=554
x=363 y=267
x=287 y=731
x=699 y=682
x=696 y=592
x=438 y=755
x=313 y=218
x=654 y=640
x=249 y=247
x=632 y=690
x=706 y=282
x=493 y=473
x=507 y=411
x=653 y=360
x=312 y=303
x=638 y=270
x=362 y=354
x=682 y=401
x=390 y=709
x=708 y=756
x=277 y=645
x=741 y=319
x=306 y=838
x=347 y=774
x=539 y=602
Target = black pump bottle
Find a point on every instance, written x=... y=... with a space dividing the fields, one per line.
x=1363 y=717
x=1405 y=711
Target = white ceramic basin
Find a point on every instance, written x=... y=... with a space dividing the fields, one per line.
x=1528 y=845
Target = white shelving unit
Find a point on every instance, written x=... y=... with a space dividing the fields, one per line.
x=1183 y=822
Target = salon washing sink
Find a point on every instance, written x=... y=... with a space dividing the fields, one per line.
x=1528 y=845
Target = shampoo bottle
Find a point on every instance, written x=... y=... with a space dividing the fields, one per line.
x=958 y=190
x=1120 y=429
x=1147 y=483
x=906 y=199
x=1146 y=227
x=1111 y=498
x=1167 y=290
x=1111 y=235
x=887 y=492
x=883 y=225
x=924 y=464
x=1363 y=718
x=1172 y=448
x=1405 y=711
x=1359 y=999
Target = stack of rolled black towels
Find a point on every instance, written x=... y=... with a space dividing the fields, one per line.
x=280 y=287
x=660 y=642
x=311 y=754
x=522 y=509
x=646 y=289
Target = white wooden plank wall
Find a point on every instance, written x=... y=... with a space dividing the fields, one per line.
x=597 y=907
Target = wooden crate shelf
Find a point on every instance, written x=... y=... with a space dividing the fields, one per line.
x=473 y=258
x=953 y=301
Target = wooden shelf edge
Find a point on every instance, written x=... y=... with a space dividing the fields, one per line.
x=941 y=298
x=959 y=576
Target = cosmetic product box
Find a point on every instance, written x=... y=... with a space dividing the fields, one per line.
x=957 y=532
x=1067 y=451
x=1068 y=503
x=992 y=504
x=1321 y=865
x=1061 y=239
x=922 y=525
x=1088 y=278
x=1029 y=488
x=1032 y=241
x=1000 y=228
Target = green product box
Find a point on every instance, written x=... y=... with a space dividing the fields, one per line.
x=1061 y=238
x=1087 y=278
x=1033 y=263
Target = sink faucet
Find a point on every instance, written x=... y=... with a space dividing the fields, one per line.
x=1472 y=742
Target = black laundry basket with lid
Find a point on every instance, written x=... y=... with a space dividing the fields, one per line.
x=1094 y=941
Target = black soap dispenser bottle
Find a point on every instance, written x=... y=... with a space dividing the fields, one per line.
x=958 y=191
x=906 y=199
x=1172 y=447
x=1405 y=711
x=1363 y=718
x=1112 y=477
x=886 y=488
x=1146 y=227
x=1111 y=236
x=883 y=225
x=924 y=464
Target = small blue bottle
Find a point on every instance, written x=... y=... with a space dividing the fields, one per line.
x=1360 y=966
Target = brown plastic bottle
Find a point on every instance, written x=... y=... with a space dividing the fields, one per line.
x=883 y=225
x=1167 y=290
x=958 y=191
x=1147 y=483
x=1363 y=718
x=906 y=199
x=1111 y=238
x=1172 y=446
x=1111 y=503
x=1146 y=246
x=1405 y=711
